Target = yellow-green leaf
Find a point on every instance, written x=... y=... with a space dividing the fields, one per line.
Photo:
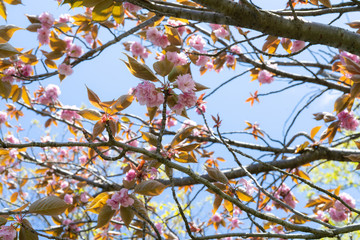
x=140 y=70
x=90 y=114
x=98 y=202
x=6 y=32
x=6 y=50
x=182 y=135
x=3 y=9
x=102 y=10
x=49 y=205
x=118 y=13
x=314 y=131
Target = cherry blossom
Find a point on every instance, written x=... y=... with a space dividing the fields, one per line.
x=120 y=198
x=68 y=114
x=7 y=233
x=351 y=56
x=216 y=218
x=131 y=7
x=43 y=36
x=221 y=32
x=202 y=60
x=64 y=18
x=197 y=42
x=177 y=58
x=157 y=37
x=138 y=50
x=178 y=24
x=185 y=83
x=46 y=19
x=284 y=194
x=3 y=117
x=74 y=50
x=130 y=175
x=348 y=121
x=68 y=198
x=65 y=69
x=265 y=76
x=297 y=45
x=235 y=49
x=147 y=94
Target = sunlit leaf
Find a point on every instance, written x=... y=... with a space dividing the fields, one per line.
x=6 y=50
x=102 y=10
x=127 y=215
x=50 y=205
x=6 y=32
x=90 y=114
x=3 y=9
x=140 y=70
x=118 y=13
x=150 y=188
x=181 y=135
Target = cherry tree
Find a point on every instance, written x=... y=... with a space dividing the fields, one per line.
x=167 y=169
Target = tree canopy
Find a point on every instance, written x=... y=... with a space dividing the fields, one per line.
x=155 y=161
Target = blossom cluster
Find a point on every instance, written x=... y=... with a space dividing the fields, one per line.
x=157 y=37
x=7 y=233
x=47 y=20
x=339 y=212
x=120 y=198
x=50 y=94
x=284 y=194
x=187 y=98
x=348 y=121
x=147 y=94
x=17 y=71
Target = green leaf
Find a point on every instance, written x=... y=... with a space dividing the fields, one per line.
x=102 y=11
x=6 y=32
x=140 y=70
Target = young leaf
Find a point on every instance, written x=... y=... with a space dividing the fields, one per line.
x=140 y=70
x=182 y=135
x=314 y=131
x=98 y=129
x=26 y=231
x=105 y=215
x=163 y=67
x=90 y=114
x=3 y=9
x=127 y=215
x=217 y=202
x=93 y=98
x=121 y=103
x=98 y=202
x=102 y=10
x=150 y=138
x=243 y=196
x=150 y=188
x=140 y=208
x=6 y=32
x=216 y=174
x=118 y=13
x=326 y=3
x=49 y=205
x=6 y=50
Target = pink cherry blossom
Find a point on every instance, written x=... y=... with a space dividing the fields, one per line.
x=351 y=56
x=221 y=32
x=215 y=26
x=230 y=60
x=7 y=233
x=13 y=153
x=320 y=215
x=202 y=60
x=89 y=39
x=12 y=139
x=69 y=113
x=346 y=198
x=64 y=18
x=157 y=37
x=3 y=117
x=64 y=184
x=147 y=94
x=348 y=121
x=197 y=42
x=284 y=194
x=131 y=7
x=178 y=24
x=297 y=45
x=25 y=70
x=249 y=187
x=235 y=222
x=65 y=69
x=120 y=198
x=337 y=215
x=84 y=197
x=46 y=19
x=216 y=218
x=235 y=49
x=43 y=36
x=83 y=159
x=9 y=75
x=185 y=83
x=138 y=50
x=68 y=198
x=159 y=227
x=74 y=51
x=51 y=94
x=130 y=175
x=201 y=108
x=177 y=58
x=265 y=76
x=188 y=99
